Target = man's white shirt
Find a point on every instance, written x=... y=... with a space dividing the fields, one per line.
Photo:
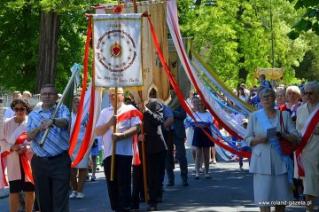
x=123 y=147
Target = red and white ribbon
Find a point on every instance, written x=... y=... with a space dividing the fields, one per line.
x=134 y=113
x=181 y=98
x=24 y=159
x=222 y=117
x=306 y=134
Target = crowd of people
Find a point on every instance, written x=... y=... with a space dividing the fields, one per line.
x=282 y=114
x=53 y=182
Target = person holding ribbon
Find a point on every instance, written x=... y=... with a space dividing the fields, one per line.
x=272 y=170
x=80 y=171
x=310 y=151
x=201 y=141
x=16 y=152
x=51 y=162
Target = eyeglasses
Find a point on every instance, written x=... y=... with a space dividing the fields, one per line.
x=48 y=94
x=308 y=93
x=267 y=96
x=20 y=109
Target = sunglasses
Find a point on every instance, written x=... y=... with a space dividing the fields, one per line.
x=20 y=109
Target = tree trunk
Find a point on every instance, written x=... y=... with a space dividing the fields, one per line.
x=49 y=29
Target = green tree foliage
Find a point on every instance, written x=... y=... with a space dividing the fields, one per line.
x=236 y=35
x=309 y=21
x=19 y=39
x=233 y=36
x=19 y=32
x=309 y=67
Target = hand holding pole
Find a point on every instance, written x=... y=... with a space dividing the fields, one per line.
x=75 y=71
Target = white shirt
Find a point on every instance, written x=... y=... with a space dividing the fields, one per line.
x=204 y=117
x=123 y=147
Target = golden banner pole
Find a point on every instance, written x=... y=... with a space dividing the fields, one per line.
x=114 y=142
x=114 y=131
x=135 y=6
x=144 y=166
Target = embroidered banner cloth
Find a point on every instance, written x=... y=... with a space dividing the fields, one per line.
x=117 y=49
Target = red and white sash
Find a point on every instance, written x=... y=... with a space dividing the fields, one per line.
x=306 y=134
x=20 y=137
x=134 y=113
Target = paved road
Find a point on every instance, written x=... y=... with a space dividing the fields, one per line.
x=229 y=189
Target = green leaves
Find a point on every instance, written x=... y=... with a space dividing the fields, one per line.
x=293 y=35
x=306 y=3
x=19 y=38
x=303 y=25
x=235 y=37
x=310 y=19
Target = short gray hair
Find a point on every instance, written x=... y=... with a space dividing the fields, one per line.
x=313 y=85
x=267 y=90
x=293 y=89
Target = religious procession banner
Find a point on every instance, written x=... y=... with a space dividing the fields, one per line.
x=117 y=50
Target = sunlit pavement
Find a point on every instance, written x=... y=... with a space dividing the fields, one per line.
x=229 y=189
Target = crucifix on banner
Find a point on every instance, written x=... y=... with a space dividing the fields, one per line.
x=117 y=56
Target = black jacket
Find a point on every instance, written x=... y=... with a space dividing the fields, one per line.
x=153 y=119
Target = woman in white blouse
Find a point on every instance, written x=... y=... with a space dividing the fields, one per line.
x=201 y=142
x=18 y=182
x=273 y=171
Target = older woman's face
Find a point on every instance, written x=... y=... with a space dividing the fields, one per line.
x=20 y=110
x=312 y=95
x=280 y=97
x=304 y=98
x=267 y=100
x=292 y=97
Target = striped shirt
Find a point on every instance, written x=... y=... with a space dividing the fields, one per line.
x=57 y=140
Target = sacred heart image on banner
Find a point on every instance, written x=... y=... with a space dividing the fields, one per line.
x=117 y=50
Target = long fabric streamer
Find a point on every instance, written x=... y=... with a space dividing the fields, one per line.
x=223 y=104
x=77 y=124
x=172 y=22
x=228 y=119
x=180 y=95
x=199 y=65
x=94 y=96
x=89 y=133
x=222 y=101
